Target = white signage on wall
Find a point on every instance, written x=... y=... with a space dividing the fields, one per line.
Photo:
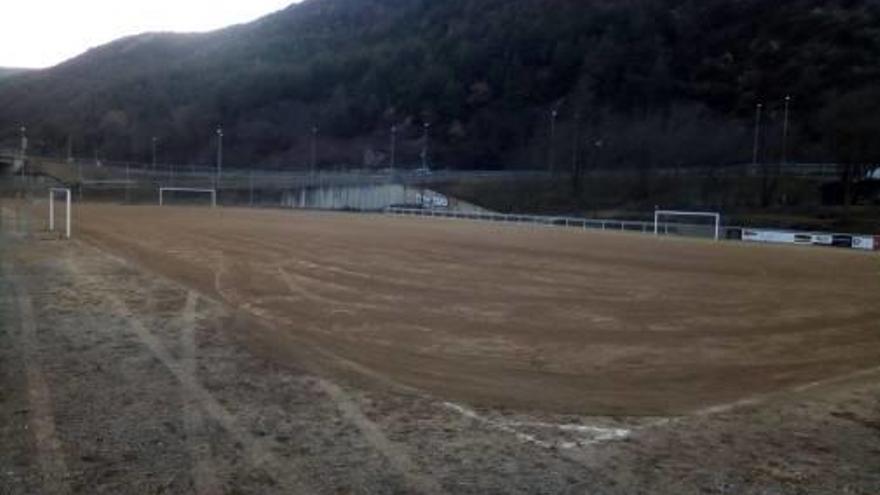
x=864 y=243
x=432 y=200
x=773 y=236
x=823 y=239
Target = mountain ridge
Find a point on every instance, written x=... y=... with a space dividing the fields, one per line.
x=485 y=73
x=13 y=71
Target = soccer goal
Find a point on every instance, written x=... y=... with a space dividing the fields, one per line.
x=689 y=223
x=164 y=191
x=52 y=193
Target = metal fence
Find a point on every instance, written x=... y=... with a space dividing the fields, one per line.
x=111 y=174
x=666 y=228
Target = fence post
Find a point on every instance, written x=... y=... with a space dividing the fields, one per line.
x=67 y=212
x=51 y=210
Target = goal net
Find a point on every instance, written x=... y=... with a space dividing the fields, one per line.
x=688 y=223
x=187 y=196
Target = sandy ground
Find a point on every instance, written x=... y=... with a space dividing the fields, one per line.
x=524 y=317
x=199 y=351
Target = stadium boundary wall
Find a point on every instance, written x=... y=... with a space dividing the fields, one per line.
x=850 y=241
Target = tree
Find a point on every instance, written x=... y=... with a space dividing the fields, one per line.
x=850 y=125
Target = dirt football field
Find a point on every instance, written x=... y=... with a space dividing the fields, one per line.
x=530 y=318
x=198 y=350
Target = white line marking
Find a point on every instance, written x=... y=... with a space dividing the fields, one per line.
x=598 y=434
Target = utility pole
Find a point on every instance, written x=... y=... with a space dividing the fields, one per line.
x=575 y=154
x=576 y=144
x=127 y=183
x=393 y=148
x=219 y=154
x=251 y=183
x=599 y=144
x=426 y=137
x=24 y=146
x=757 y=143
x=551 y=159
x=785 y=131
x=314 y=160
x=154 y=153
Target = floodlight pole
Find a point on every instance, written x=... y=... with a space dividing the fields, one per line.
x=425 y=146
x=393 y=147
x=251 y=187
x=757 y=142
x=785 y=131
x=154 y=153
x=219 y=153
x=24 y=145
x=576 y=144
x=314 y=157
x=551 y=166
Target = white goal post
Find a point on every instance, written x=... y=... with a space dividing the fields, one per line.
x=659 y=214
x=52 y=193
x=212 y=192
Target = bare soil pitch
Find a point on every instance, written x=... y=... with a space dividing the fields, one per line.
x=529 y=318
x=180 y=373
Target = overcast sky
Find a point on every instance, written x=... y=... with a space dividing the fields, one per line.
x=42 y=33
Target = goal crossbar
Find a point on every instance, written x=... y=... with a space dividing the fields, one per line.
x=52 y=193
x=212 y=192
x=658 y=214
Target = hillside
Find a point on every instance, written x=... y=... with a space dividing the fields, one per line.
x=650 y=82
x=10 y=71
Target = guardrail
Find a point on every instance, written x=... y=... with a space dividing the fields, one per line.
x=732 y=233
x=557 y=221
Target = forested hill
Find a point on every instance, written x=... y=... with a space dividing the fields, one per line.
x=651 y=81
x=10 y=71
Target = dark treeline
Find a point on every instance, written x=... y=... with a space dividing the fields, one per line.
x=10 y=71
x=636 y=83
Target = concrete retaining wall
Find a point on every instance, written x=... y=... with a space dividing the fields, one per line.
x=371 y=197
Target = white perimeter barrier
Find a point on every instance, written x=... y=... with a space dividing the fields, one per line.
x=572 y=222
x=860 y=242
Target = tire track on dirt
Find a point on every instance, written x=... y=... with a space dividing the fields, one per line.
x=204 y=471
x=296 y=284
x=349 y=409
x=286 y=475
x=49 y=452
x=402 y=463
x=416 y=480
x=196 y=397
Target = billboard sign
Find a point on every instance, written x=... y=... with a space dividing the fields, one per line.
x=430 y=199
x=865 y=243
x=772 y=236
